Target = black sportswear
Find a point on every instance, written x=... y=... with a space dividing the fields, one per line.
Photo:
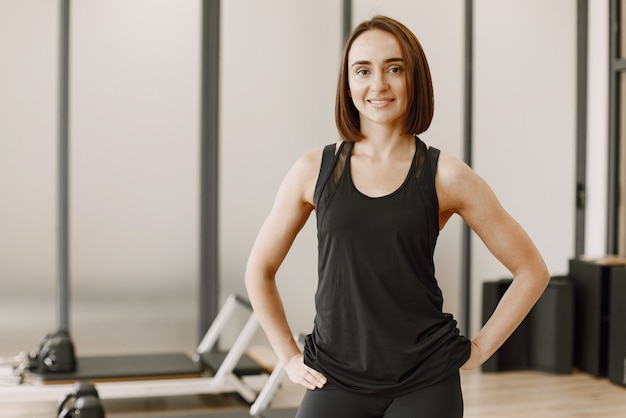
x=379 y=326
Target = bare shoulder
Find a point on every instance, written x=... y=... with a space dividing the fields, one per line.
x=304 y=172
x=309 y=161
x=307 y=165
x=458 y=185
x=450 y=168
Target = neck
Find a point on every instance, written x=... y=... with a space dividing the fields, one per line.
x=382 y=146
x=384 y=132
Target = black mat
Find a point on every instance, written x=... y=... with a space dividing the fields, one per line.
x=120 y=367
x=245 y=367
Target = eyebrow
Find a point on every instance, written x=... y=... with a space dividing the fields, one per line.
x=387 y=61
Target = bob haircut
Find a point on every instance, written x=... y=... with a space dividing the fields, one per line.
x=420 y=107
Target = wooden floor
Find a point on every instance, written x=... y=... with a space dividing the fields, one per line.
x=532 y=394
x=486 y=395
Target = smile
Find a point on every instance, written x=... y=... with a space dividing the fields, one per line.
x=380 y=102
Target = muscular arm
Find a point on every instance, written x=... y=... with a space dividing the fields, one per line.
x=463 y=192
x=291 y=209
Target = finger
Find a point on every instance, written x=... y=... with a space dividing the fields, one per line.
x=299 y=376
x=316 y=378
x=315 y=373
x=305 y=380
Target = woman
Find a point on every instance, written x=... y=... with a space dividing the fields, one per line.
x=381 y=345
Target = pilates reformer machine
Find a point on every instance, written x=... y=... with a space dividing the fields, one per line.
x=51 y=373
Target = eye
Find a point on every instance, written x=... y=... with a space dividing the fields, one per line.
x=362 y=72
x=395 y=69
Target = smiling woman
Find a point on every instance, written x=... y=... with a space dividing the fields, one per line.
x=381 y=344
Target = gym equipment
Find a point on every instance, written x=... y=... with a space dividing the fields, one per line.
x=543 y=341
x=83 y=402
x=617 y=319
x=592 y=287
x=170 y=374
x=55 y=354
x=260 y=407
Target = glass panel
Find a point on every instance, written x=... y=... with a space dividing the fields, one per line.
x=135 y=180
x=28 y=127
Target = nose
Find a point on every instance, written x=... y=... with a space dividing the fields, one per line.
x=379 y=82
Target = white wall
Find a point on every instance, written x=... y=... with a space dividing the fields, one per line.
x=134 y=135
x=279 y=64
x=134 y=129
x=524 y=125
x=28 y=126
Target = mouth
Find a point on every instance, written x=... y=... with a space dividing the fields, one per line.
x=380 y=102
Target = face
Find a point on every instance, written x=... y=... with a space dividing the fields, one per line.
x=377 y=79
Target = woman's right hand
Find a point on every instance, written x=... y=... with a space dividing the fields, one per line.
x=475 y=359
x=302 y=374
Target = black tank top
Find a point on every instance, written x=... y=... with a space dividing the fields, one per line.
x=379 y=326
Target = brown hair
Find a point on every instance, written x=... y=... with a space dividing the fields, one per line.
x=419 y=85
